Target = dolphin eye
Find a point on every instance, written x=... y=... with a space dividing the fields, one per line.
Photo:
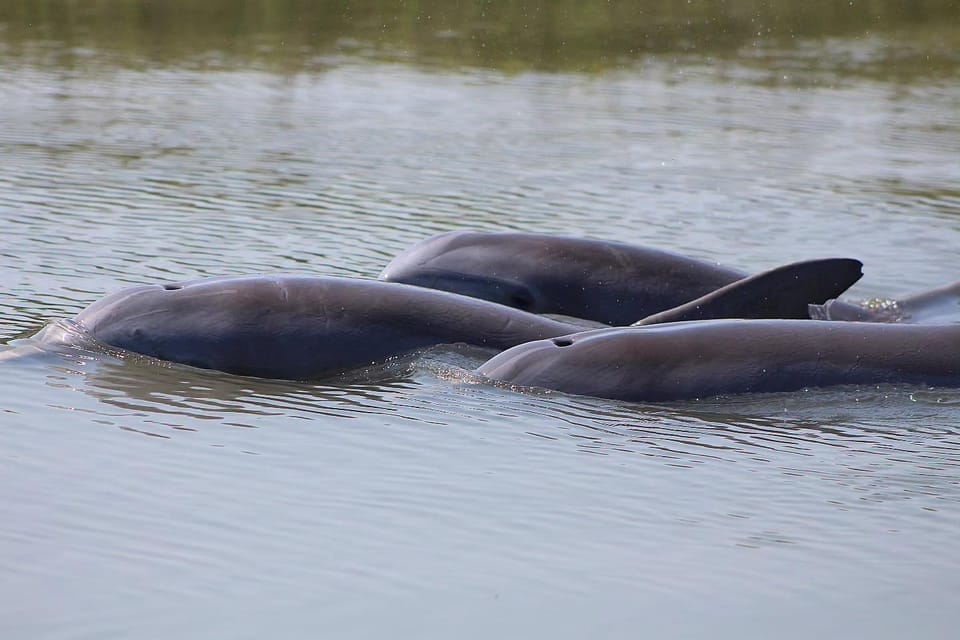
x=172 y=287
x=520 y=300
x=562 y=342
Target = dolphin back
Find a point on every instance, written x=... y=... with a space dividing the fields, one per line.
x=609 y=282
x=706 y=358
x=300 y=327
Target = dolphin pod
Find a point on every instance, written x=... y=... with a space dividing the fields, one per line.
x=303 y=327
x=699 y=359
x=307 y=327
x=612 y=282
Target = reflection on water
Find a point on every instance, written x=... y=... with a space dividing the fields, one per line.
x=437 y=388
x=152 y=387
x=159 y=141
x=432 y=488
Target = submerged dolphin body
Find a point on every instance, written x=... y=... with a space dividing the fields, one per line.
x=616 y=283
x=935 y=306
x=698 y=359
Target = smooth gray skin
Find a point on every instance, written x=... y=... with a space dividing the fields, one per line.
x=299 y=327
x=784 y=292
x=597 y=280
x=705 y=358
x=611 y=282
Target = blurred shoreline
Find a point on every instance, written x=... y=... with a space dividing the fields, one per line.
x=900 y=40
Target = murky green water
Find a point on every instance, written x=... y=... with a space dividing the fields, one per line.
x=156 y=141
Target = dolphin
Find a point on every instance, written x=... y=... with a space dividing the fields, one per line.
x=617 y=284
x=309 y=327
x=698 y=359
x=607 y=282
x=299 y=327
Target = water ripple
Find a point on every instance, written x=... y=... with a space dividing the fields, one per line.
x=135 y=490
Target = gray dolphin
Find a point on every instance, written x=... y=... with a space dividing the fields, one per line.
x=305 y=327
x=608 y=282
x=299 y=327
x=705 y=358
x=617 y=284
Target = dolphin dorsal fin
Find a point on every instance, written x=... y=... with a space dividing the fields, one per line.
x=783 y=292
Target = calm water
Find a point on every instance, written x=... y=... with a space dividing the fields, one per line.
x=141 y=144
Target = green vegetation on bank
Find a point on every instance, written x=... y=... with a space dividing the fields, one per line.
x=511 y=35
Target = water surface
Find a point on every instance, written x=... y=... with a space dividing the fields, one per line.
x=169 y=141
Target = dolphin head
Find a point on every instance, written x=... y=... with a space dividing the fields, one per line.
x=123 y=307
x=587 y=363
x=471 y=264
